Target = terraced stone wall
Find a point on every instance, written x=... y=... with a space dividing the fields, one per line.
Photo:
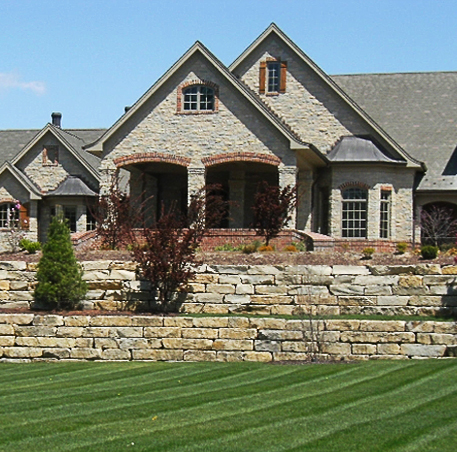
x=30 y=337
x=426 y=289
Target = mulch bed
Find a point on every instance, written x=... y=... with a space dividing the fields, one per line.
x=266 y=258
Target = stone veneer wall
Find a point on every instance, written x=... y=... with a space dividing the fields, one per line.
x=425 y=289
x=26 y=337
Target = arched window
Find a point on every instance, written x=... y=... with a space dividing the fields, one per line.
x=198 y=98
x=9 y=215
x=354 y=224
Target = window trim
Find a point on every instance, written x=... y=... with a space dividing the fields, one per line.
x=197 y=83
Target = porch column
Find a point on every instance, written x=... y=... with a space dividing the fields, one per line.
x=33 y=220
x=237 y=186
x=304 y=204
x=196 y=180
x=288 y=177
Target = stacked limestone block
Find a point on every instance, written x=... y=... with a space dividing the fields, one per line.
x=426 y=289
x=157 y=338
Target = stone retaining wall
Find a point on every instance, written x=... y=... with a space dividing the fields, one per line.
x=426 y=289
x=156 y=338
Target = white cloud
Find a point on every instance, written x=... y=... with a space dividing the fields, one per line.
x=12 y=80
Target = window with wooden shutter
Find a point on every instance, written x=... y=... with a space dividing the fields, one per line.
x=282 y=77
x=24 y=216
x=272 y=77
x=263 y=68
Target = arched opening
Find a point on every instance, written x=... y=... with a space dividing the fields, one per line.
x=158 y=186
x=239 y=181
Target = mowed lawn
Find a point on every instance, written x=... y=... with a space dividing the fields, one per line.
x=139 y=406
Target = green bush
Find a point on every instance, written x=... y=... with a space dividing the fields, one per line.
x=368 y=253
x=249 y=249
x=60 y=284
x=224 y=247
x=29 y=246
x=401 y=247
x=429 y=251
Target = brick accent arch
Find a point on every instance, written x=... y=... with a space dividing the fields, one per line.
x=241 y=157
x=209 y=84
x=147 y=157
x=357 y=184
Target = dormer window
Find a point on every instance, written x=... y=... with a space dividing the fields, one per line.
x=198 y=98
x=272 y=78
x=50 y=155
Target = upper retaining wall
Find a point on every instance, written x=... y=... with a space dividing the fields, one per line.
x=426 y=289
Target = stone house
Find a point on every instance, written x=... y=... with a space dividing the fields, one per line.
x=368 y=151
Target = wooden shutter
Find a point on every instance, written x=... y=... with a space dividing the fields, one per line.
x=282 y=77
x=263 y=68
x=24 y=216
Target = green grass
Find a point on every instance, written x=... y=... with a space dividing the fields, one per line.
x=371 y=406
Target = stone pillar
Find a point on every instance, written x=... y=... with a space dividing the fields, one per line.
x=33 y=220
x=81 y=217
x=196 y=180
x=237 y=188
x=304 y=204
x=288 y=177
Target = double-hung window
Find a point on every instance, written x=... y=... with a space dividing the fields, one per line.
x=354 y=224
x=384 y=212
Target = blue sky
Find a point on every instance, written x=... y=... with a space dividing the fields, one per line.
x=88 y=59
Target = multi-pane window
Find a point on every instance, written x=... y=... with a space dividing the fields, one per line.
x=91 y=223
x=69 y=213
x=9 y=215
x=384 y=220
x=354 y=223
x=198 y=98
x=274 y=75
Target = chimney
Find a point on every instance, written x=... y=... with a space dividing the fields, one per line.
x=56 y=119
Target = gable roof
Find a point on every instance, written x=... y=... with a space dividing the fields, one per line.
x=419 y=110
x=70 y=141
x=198 y=47
x=273 y=29
x=22 y=179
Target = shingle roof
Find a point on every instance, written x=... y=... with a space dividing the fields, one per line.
x=72 y=186
x=419 y=110
x=12 y=142
x=358 y=150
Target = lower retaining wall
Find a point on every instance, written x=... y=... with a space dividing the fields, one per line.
x=31 y=337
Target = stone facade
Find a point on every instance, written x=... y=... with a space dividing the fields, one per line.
x=253 y=129
x=29 y=337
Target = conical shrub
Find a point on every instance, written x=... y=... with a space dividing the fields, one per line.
x=60 y=284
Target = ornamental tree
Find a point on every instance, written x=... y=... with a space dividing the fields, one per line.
x=60 y=284
x=273 y=209
x=166 y=254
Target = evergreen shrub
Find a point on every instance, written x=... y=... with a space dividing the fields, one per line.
x=60 y=284
x=429 y=251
